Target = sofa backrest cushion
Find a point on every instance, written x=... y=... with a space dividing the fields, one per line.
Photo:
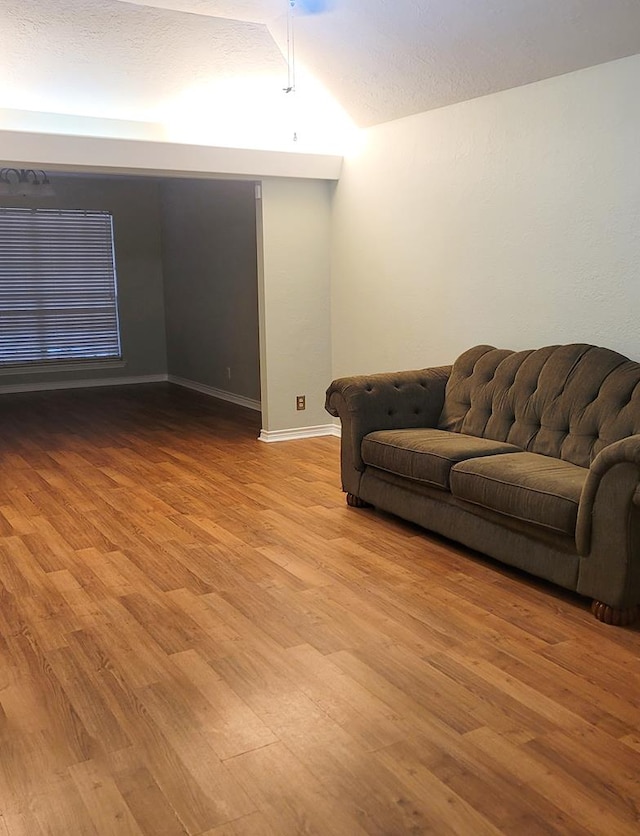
x=566 y=401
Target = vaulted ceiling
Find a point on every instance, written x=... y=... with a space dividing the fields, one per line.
x=380 y=59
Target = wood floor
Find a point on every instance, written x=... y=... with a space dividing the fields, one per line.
x=197 y=636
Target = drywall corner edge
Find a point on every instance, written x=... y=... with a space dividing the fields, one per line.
x=127 y=156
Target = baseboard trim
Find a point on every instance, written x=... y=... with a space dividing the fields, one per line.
x=239 y=400
x=15 y=388
x=297 y=433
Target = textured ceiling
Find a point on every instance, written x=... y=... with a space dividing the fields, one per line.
x=381 y=59
x=255 y=11
x=107 y=58
x=384 y=60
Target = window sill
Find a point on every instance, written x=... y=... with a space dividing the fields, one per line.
x=56 y=368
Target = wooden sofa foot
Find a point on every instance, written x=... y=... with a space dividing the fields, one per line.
x=614 y=615
x=354 y=501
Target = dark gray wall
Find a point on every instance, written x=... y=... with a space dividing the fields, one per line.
x=135 y=207
x=210 y=281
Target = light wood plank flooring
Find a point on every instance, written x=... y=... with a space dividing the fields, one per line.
x=197 y=636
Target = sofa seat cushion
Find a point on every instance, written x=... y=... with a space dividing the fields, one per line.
x=426 y=455
x=525 y=486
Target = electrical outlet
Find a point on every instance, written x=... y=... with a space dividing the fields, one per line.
x=228 y=372
x=301 y=402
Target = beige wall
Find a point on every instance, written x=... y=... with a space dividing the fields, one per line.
x=295 y=301
x=211 y=288
x=513 y=220
x=134 y=205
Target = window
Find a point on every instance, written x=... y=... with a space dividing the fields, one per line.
x=58 y=298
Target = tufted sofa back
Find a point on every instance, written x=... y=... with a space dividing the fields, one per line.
x=565 y=401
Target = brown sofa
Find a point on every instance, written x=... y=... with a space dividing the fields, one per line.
x=532 y=457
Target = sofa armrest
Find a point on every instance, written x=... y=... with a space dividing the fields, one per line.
x=608 y=526
x=392 y=400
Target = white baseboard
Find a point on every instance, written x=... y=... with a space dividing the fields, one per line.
x=14 y=388
x=297 y=433
x=240 y=400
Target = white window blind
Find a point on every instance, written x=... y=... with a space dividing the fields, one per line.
x=58 y=296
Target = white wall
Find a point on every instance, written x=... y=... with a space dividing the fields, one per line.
x=294 y=247
x=52 y=142
x=211 y=285
x=513 y=219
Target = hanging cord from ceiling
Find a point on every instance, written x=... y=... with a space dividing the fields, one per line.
x=291 y=51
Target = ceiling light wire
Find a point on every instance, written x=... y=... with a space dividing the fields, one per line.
x=291 y=51
x=291 y=59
